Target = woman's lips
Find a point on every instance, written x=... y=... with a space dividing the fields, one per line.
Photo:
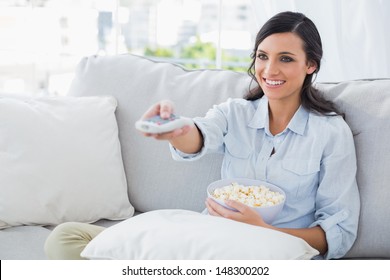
x=274 y=83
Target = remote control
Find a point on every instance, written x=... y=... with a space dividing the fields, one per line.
x=158 y=125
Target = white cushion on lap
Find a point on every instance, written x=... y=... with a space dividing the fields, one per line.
x=188 y=235
x=60 y=160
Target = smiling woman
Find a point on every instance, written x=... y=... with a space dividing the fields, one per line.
x=279 y=122
x=303 y=147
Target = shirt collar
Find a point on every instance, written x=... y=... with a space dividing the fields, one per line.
x=260 y=118
x=299 y=121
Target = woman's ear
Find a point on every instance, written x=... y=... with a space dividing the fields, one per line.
x=311 y=67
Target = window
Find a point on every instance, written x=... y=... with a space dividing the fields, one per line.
x=42 y=41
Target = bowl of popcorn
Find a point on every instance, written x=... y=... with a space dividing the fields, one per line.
x=267 y=199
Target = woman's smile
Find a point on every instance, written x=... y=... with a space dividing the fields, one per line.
x=273 y=83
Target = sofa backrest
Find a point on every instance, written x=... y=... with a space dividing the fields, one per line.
x=155 y=181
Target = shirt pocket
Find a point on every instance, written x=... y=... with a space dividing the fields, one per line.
x=237 y=157
x=303 y=175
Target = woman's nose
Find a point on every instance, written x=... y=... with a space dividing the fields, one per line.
x=271 y=68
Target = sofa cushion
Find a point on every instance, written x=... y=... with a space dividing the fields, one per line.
x=188 y=235
x=24 y=242
x=366 y=105
x=155 y=181
x=60 y=160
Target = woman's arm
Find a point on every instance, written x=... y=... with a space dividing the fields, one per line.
x=190 y=142
x=314 y=236
x=187 y=139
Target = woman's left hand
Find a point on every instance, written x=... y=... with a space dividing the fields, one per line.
x=245 y=213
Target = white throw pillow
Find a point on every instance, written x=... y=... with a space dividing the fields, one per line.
x=188 y=235
x=60 y=160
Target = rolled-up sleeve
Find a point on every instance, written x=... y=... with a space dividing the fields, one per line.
x=337 y=200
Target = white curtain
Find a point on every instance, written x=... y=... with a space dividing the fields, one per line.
x=355 y=34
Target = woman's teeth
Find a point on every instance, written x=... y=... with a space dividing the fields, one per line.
x=274 y=83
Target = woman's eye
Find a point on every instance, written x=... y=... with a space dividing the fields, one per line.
x=286 y=59
x=262 y=56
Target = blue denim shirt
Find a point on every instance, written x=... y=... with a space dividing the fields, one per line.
x=314 y=163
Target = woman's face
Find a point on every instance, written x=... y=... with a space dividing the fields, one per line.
x=281 y=66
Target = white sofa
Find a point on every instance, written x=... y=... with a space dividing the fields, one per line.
x=155 y=181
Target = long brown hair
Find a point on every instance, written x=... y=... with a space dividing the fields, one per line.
x=302 y=26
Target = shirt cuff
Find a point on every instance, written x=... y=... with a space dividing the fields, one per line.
x=181 y=156
x=334 y=235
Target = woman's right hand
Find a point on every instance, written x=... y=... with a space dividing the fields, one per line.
x=164 y=108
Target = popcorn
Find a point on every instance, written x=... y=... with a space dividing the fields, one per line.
x=254 y=196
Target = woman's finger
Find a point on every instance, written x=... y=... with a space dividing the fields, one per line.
x=166 y=108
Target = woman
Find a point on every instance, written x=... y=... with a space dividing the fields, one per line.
x=283 y=132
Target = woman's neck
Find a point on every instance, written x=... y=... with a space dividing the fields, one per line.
x=280 y=114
